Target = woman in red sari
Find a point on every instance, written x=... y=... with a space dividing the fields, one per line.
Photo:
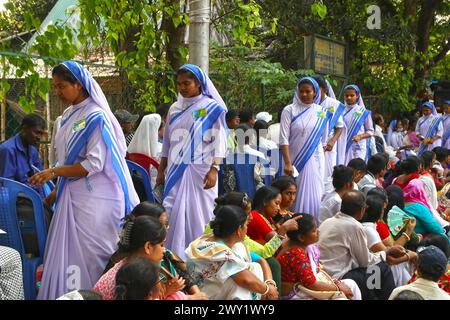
x=302 y=276
x=266 y=205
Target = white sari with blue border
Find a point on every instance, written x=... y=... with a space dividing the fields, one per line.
x=194 y=135
x=84 y=230
x=304 y=130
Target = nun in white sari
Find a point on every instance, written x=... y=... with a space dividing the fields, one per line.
x=335 y=155
x=302 y=139
x=145 y=141
x=194 y=143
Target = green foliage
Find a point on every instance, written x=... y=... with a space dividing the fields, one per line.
x=319 y=9
x=56 y=42
x=241 y=20
x=133 y=32
x=384 y=62
x=248 y=82
x=383 y=75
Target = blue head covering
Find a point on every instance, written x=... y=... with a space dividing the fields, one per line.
x=360 y=101
x=97 y=95
x=391 y=129
x=208 y=88
x=430 y=105
x=114 y=137
x=315 y=85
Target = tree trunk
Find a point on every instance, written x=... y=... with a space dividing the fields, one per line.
x=424 y=25
x=176 y=37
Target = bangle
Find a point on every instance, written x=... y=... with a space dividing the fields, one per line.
x=267 y=289
x=407 y=254
x=281 y=236
x=270 y=281
x=406 y=235
x=52 y=170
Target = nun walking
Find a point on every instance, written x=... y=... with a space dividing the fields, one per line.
x=194 y=144
x=303 y=135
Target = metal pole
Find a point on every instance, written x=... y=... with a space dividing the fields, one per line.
x=47 y=123
x=3 y=110
x=199 y=19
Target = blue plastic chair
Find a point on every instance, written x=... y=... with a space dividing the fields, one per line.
x=243 y=165
x=280 y=166
x=135 y=168
x=9 y=222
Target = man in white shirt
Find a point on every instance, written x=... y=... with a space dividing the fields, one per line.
x=331 y=202
x=345 y=255
x=431 y=266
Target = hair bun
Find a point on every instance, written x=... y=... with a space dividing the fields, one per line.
x=216 y=226
x=220 y=201
x=125 y=235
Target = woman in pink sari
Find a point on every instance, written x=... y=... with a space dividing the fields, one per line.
x=416 y=204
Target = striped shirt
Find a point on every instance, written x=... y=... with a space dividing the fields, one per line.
x=129 y=137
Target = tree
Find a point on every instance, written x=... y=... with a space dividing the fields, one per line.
x=56 y=41
x=16 y=16
x=393 y=61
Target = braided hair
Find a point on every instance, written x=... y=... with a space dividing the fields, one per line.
x=138 y=231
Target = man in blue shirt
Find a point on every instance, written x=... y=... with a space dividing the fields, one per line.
x=19 y=154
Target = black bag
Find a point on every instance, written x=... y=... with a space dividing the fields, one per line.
x=25 y=216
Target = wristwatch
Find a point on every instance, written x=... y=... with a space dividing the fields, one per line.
x=215 y=166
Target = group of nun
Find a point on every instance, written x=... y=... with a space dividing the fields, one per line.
x=317 y=132
x=432 y=130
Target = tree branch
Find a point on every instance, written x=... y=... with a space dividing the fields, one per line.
x=441 y=54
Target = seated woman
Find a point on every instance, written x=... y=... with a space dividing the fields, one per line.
x=405 y=237
x=267 y=250
x=299 y=270
x=397 y=137
x=138 y=280
x=402 y=270
x=171 y=264
x=144 y=237
x=288 y=190
x=221 y=265
x=416 y=204
x=430 y=184
x=408 y=170
x=381 y=226
x=266 y=206
x=331 y=202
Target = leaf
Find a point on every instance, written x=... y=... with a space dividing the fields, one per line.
x=319 y=9
x=273 y=25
